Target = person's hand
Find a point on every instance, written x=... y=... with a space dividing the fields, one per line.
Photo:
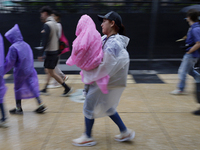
x=179 y=40
x=188 y=52
x=40 y=58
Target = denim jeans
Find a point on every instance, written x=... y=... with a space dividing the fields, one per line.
x=187 y=67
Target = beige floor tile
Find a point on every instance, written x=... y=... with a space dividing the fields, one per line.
x=161 y=120
x=183 y=129
x=28 y=131
x=70 y=126
x=149 y=136
x=173 y=78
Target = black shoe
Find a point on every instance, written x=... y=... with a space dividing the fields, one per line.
x=196 y=112
x=67 y=92
x=41 y=109
x=16 y=111
x=44 y=92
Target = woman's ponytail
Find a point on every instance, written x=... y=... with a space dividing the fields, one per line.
x=122 y=30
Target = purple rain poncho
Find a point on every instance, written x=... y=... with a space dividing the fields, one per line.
x=2 y=84
x=20 y=56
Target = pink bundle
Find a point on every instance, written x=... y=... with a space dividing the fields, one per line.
x=87 y=51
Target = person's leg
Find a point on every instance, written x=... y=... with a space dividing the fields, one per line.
x=196 y=76
x=3 y=119
x=184 y=69
x=193 y=72
x=39 y=101
x=59 y=72
x=88 y=126
x=125 y=133
x=86 y=139
x=60 y=80
x=55 y=76
x=19 y=103
x=116 y=118
x=48 y=77
x=42 y=108
x=2 y=112
x=18 y=109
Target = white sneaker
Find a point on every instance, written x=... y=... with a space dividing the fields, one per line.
x=125 y=136
x=177 y=92
x=53 y=86
x=3 y=124
x=84 y=141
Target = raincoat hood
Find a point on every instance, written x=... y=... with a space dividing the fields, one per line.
x=14 y=34
x=123 y=40
x=84 y=24
x=120 y=39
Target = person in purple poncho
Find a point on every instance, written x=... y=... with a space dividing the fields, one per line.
x=20 y=57
x=2 y=84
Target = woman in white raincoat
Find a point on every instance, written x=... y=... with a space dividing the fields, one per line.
x=115 y=64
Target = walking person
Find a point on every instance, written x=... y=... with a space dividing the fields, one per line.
x=2 y=84
x=50 y=44
x=62 y=37
x=192 y=55
x=20 y=57
x=115 y=63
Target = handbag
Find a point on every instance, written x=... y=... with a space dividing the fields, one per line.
x=63 y=44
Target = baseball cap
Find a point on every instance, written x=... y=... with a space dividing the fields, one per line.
x=113 y=16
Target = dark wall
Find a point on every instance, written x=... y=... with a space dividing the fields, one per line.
x=169 y=27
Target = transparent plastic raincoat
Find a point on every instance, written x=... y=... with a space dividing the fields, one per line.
x=2 y=83
x=20 y=57
x=116 y=64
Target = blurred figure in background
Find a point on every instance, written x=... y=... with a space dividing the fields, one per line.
x=50 y=44
x=192 y=55
x=62 y=37
x=20 y=56
x=2 y=84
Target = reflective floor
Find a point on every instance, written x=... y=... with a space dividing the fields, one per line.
x=161 y=121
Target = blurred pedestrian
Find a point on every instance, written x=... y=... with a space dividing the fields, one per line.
x=20 y=57
x=62 y=37
x=2 y=84
x=50 y=44
x=192 y=54
x=115 y=63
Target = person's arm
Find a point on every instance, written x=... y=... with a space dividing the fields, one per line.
x=59 y=30
x=196 y=35
x=45 y=36
x=194 y=48
x=11 y=59
x=182 y=39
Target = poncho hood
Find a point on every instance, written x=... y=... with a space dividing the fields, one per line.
x=120 y=39
x=123 y=40
x=84 y=24
x=14 y=34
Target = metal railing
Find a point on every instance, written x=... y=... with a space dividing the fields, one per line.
x=89 y=6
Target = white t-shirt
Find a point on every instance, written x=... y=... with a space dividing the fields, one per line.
x=59 y=29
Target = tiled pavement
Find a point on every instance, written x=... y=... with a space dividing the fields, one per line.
x=161 y=121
